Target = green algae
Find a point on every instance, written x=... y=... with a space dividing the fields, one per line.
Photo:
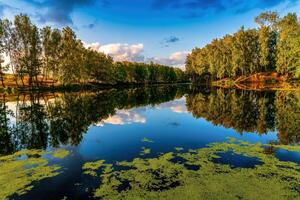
x=60 y=153
x=287 y=147
x=90 y=168
x=161 y=178
x=178 y=148
x=147 y=140
x=19 y=170
x=145 y=151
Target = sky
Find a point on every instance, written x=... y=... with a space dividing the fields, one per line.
x=162 y=31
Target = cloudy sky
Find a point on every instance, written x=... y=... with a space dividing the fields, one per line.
x=162 y=31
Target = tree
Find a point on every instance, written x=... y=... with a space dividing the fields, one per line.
x=71 y=58
x=27 y=49
x=34 y=67
x=51 y=45
x=98 y=66
x=267 y=39
x=9 y=42
x=2 y=50
x=245 y=52
x=288 y=47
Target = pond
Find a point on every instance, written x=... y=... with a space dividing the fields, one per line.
x=160 y=142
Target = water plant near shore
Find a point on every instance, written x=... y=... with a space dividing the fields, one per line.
x=20 y=170
x=164 y=178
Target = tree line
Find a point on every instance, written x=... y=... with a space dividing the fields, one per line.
x=273 y=46
x=39 y=54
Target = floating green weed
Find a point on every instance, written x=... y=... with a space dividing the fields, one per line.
x=20 y=170
x=147 y=140
x=178 y=148
x=162 y=178
x=145 y=151
x=91 y=167
x=287 y=147
x=60 y=153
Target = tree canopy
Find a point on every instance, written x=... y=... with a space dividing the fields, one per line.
x=273 y=46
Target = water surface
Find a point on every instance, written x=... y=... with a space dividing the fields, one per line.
x=122 y=124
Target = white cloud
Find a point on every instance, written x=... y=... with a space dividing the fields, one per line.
x=134 y=52
x=176 y=59
x=120 y=52
x=123 y=117
x=6 y=61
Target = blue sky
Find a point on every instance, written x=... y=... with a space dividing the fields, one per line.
x=163 y=31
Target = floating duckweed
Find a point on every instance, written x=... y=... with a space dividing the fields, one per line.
x=60 y=153
x=20 y=170
x=178 y=148
x=287 y=147
x=160 y=178
x=91 y=167
x=145 y=151
x=147 y=140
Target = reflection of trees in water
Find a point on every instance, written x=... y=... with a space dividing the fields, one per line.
x=6 y=144
x=288 y=116
x=40 y=122
x=250 y=111
x=32 y=126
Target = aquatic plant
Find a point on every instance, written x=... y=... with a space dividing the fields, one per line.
x=147 y=140
x=164 y=178
x=20 y=170
x=145 y=151
x=90 y=167
x=178 y=148
x=60 y=153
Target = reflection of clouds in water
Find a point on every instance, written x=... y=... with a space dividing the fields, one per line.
x=179 y=109
x=11 y=108
x=124 y=117
x=177 y=106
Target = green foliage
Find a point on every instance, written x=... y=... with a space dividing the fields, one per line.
x=288 y=59
x=141 y=73
x=162 y=178
x=274 y=46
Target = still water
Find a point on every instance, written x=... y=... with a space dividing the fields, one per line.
x=123 y=124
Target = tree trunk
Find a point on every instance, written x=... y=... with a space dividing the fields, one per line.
x=22 y=81
x=15 y=76
x=37 y=80
x=2 y=79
